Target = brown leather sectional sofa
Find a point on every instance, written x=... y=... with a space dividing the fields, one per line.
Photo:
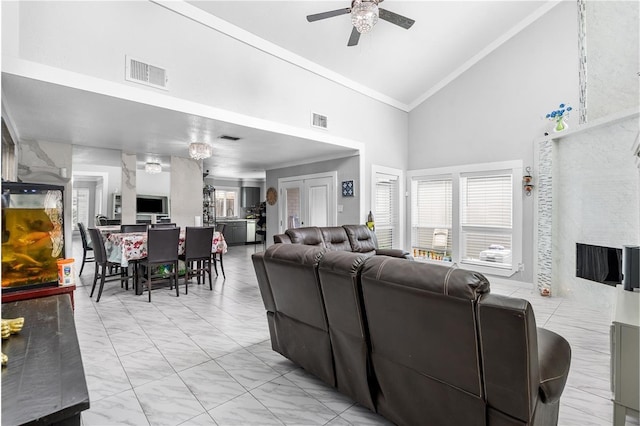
x=354 y=238
x=421 y=344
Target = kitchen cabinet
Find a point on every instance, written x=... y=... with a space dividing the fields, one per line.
x=235 y=231
x=249 y=196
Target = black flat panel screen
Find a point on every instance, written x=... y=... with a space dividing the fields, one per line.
x=149 y=204
x=599 y=264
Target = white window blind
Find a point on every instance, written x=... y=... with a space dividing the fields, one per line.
x=385 y=213
x=486 y=211
x=432 y=217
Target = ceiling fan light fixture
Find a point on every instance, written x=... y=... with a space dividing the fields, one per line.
x=199 y=150
x=364 y=15
x=153 y=167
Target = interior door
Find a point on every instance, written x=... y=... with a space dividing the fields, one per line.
x=319 y=201
x=291 y=204
x=308 y=202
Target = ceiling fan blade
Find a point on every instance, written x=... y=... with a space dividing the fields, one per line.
x=354 y=38
x=330 y=14
x=394 y=18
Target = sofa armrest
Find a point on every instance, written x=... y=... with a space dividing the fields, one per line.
x=554 y=358
x=394 y=253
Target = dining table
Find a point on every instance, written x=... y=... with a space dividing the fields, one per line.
x=125 y=247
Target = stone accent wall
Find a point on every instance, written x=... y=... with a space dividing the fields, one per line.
x=545 y=216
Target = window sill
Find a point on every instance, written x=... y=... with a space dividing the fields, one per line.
x=500 y=269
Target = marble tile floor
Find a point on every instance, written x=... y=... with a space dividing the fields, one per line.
x=205 y=358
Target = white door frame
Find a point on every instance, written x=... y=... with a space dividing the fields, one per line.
x=333 y=203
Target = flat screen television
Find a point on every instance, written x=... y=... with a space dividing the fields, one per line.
x=152 y=204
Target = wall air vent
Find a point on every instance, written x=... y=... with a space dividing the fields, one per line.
x=319 y=121
x=143 y=73
x=229 y=138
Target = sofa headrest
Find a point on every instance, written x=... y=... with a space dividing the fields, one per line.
x=281 y=239
x=438 y=279
x=295 y=253
x=342 y=262
x=361 y=238
x=310 y=236
x=335 y=238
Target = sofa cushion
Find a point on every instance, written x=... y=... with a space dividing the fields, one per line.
x=310 y=236
x=422 y=325
x=339 y=273
x=335 y=238
x=300 y=320
x=361 y=238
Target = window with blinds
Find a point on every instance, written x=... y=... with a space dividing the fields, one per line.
x=431 y=220
x=486 y=212
x=469 y=214
x=386 y=215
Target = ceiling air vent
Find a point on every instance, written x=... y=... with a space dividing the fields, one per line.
x=229 y=138
x=143 y=73
x=319 y=121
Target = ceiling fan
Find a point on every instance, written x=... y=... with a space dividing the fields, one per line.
x=364 y=15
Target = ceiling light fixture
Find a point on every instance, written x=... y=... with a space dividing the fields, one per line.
x=199 y=150
x=153 y=167
x=364 y=15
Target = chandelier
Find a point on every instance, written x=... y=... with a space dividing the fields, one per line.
x=199 y=150
x=153 y=167
x=364 y=15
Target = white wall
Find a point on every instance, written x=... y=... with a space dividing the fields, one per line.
x=186 y=191
x=494 y=111
x=613 y=57
x=596 y=197
x=204 y=66
x=148 y=184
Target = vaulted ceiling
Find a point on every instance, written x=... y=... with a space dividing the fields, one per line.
x=397 y=66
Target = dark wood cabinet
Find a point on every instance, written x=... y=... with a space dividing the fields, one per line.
x=249 y=196
x=235 y=232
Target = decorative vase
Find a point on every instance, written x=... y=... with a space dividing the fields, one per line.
x=561 y=124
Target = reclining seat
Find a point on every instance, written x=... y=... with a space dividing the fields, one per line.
x=363 y=240
x=310 y=236
x=339 y=273
x=424 y=347
x=525 y=368
x=299 y=319
x=335 y=238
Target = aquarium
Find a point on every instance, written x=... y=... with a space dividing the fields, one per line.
x=32 y=235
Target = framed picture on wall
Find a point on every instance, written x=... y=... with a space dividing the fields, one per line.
x=348 y=189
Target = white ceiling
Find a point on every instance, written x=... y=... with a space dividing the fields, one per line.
x=403 y=65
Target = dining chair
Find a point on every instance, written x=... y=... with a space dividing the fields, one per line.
x=162 y=225
x=86 y=247
x=134 y=228
x=219 y=228
x=162 y=249
x=104 y=267
x=197 y=251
